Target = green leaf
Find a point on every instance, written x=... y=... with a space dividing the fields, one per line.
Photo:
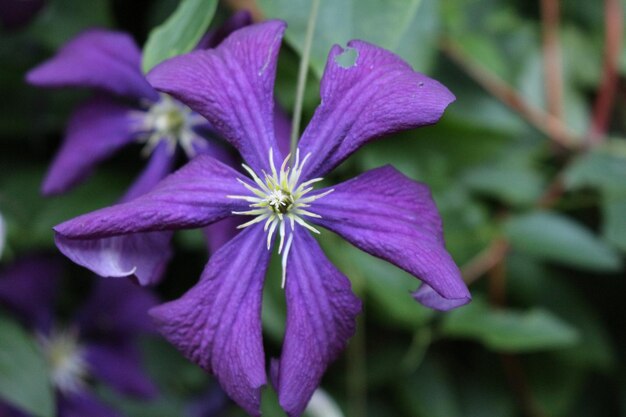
x=614 y=217
x=24 y=379
x=509 y=330
x=180 y=32
x=408 y=27
x=604 y=167
x=554 y=237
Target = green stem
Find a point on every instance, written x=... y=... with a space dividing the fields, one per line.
x=302 y=74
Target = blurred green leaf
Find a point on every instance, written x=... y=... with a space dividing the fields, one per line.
x=180 y=32
x=614 y=217
x=60 y=20
x=408 y=27
x=554 y=237
x=531 y=282
x=604 y=167
x=24 y=379
x=509 y=330
x=430 y=392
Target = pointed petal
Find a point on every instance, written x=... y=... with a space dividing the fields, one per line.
x=378 y=95
x=232 y=86
x=160 y=164
x=99 y=128
x=96 y=58
x=116 y=310
x=217 y=324
x=394 y=218
x=28 y=287
x=193 y=196
x=143 y=255
x=119 y=365
x=83 y=404
x=321 y=317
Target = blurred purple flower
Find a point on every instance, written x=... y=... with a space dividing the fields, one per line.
x=126 y=110
x=99 y=342
x=17 y=13
x=217 y=324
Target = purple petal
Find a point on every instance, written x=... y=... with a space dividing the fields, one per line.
x=116 y=310
x=96 y=58
x=378 y=95
x=160 y=164
x=217 y=324
x=232 y=86
x=321 y=317
x=394 y=218
x=194 y=196
x=143 y=255
x=83 y=404
x=29 y=288
x=119 y=365
x=282 y=127
x=214 y=37
x=96 y=130
x=220 y=233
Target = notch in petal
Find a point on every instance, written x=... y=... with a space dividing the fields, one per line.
x=99 y=128
x=395 y=218
x=96 y=58
x=379 y=94
x=232 y=86
x=217 y=324
x=321 y=317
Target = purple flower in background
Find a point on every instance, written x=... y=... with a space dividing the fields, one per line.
x=98 y=343
x=126 y=110
x=217 y=324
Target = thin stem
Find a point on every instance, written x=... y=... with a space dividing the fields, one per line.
x=302 y=74
x=603 y=107
x=544 y=122
x=553 y=74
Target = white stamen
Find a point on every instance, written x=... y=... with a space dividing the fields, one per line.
x=167 y=120
x=279 y=197
x=66 y=358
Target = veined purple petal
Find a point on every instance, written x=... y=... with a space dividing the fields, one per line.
x=160 y=164
x=232 y=86
x=96 y=58
x=83 y=404
x=217 y=324
x=194 y=196
x=214 y=37
x=143 y=255
x=394 y=218
x=96 y=130
x=119 y=365
x=378 y=95
x=28 y=287
x=282 y=127
x=116 y=310
x=321 y=317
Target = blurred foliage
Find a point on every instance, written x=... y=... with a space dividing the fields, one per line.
x=543 y=337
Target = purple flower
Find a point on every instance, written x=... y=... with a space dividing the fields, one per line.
x=99 y=342
x=217 y=324
x=126 y=110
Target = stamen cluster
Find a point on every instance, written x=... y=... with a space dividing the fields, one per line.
x=66 y=358
x=280 y=197
x=169 y=120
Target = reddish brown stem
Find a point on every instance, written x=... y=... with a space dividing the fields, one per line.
x=603 y=107
x=552 y=63
x=548 y=124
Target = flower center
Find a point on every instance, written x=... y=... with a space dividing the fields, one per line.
x=66 y=358
x=280 y=198
x=168 y=120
